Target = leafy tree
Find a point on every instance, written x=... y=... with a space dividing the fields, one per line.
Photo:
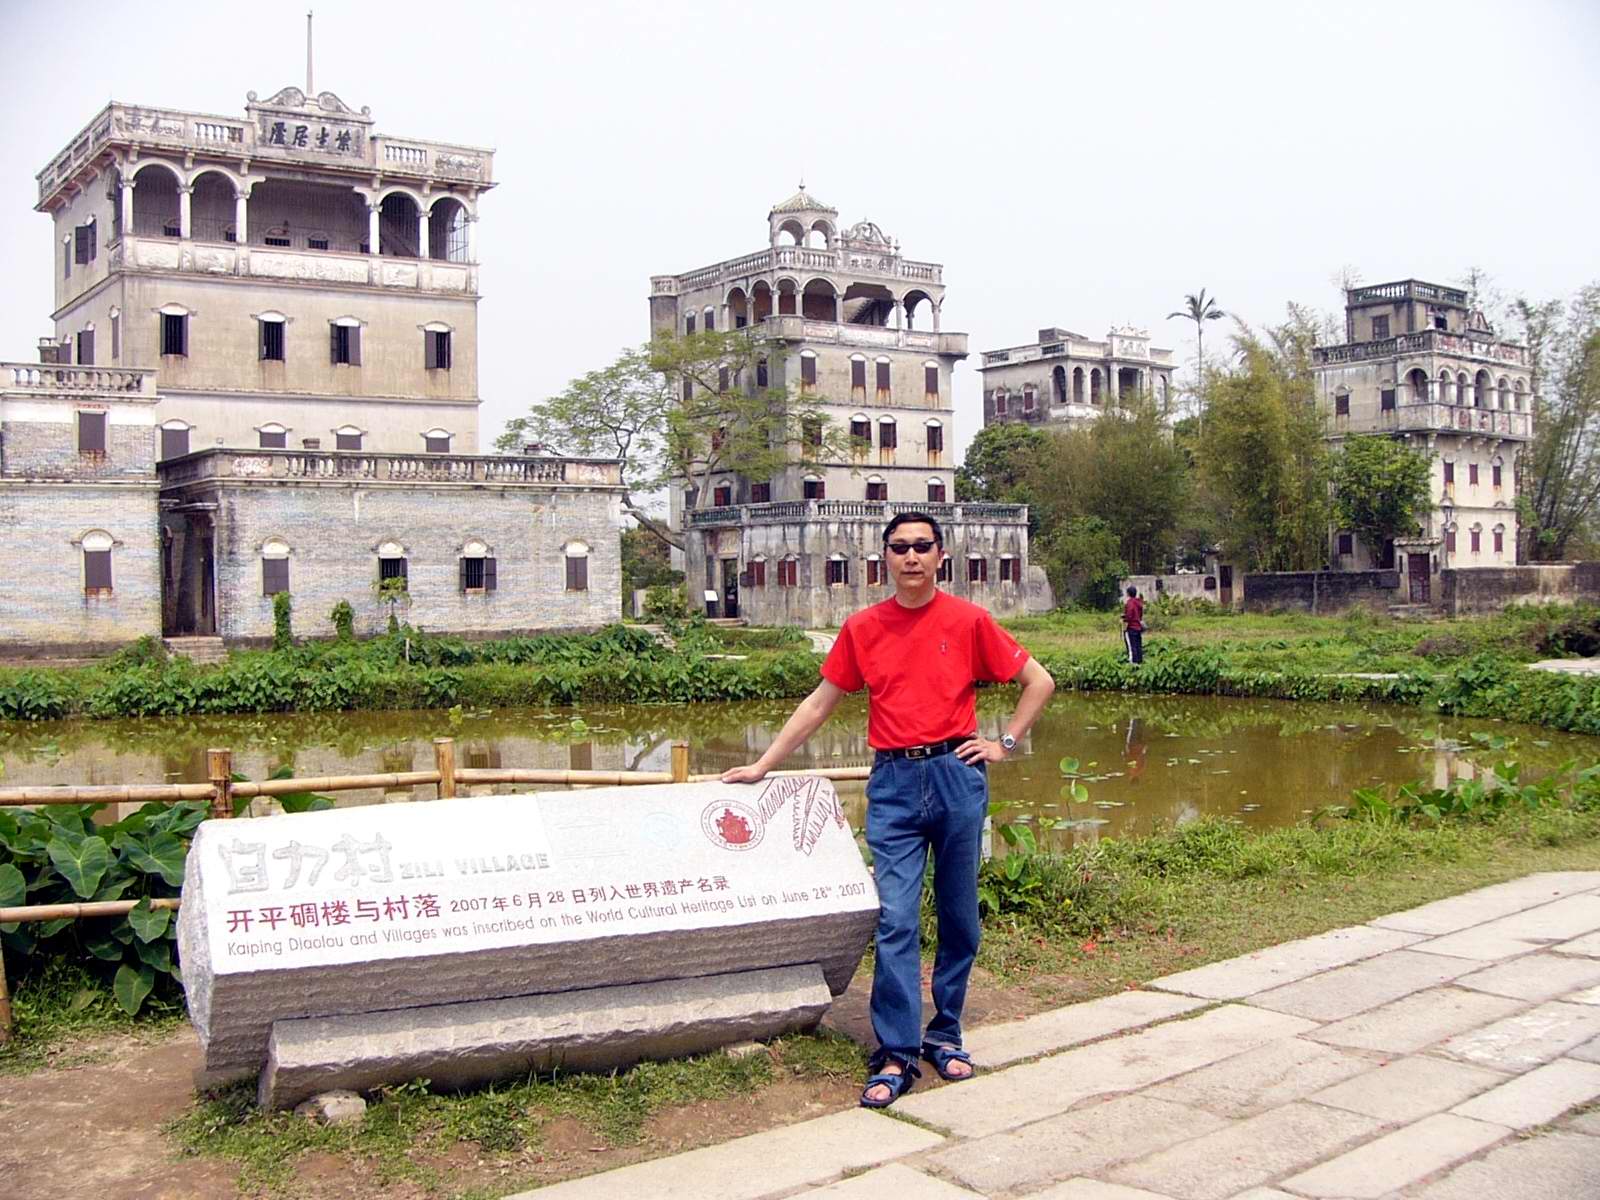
x=1199 y=309
x=999 y=461
x=1380 y=487
x=1261 y=455
x=679 y=411
x=1559 y=486
x=646 y=562
x=1128 y=470
x=1080 y=555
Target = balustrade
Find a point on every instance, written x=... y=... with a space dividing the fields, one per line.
x=48 y=377
x=344 y=465
x=791 y=511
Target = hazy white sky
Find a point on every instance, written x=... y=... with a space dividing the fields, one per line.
x=1070 y=164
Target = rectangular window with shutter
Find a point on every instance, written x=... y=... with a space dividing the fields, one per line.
x=811 y=431
x=394 y=568
x=272 y=341
x=758 y=573
x=577 y=574
x=1499 y=542
x=860 y=434
x=97 y=570
x=436 y=349
x=433 y=444
x=1475 y=536
x=91 y=433
x=815 y=490
x=878 y=490
x=935 y=439
x=273 y=441
x=174 y=443
x=86 y=348
x=858 y=373
x=761 y=493
x=930 y=380
x=274 y=576
x=347 y=441
x=1346 y=545
x=1449 y=473
x=946 y=572
x=1386 y=399
x=838 y=572
x=789 y=573
x=977 y=570
x=1380 y=328
x=722 y=497
x=761 y=373
x=875 y=572
x=83 y=244
x=883 y=379
x=478 y=575
x=935 y=492
x=1472 y=474
x=345 y=345
x=1009 y=572
x=174 y=333
x=888 y=437
x=1494 y=474
x=808 y=370
x=116 y=336
x=1341 y=405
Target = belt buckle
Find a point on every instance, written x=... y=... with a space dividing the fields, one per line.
x=917 y=751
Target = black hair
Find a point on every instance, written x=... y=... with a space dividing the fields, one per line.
x=1132 y=591
x=914 y=518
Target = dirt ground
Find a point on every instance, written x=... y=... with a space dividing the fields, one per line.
x=96 y=1129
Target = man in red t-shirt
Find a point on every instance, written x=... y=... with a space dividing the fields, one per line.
x=1133 y=626
x=920 y=655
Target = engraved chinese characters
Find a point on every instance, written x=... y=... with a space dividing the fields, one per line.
x=397 y=906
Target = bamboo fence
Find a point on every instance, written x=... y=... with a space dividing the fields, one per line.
x=222 y=789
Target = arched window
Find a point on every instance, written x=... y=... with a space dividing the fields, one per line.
x=273 y=436
x=392 y=564
x=977 y=569
x=808 y=370
x=877 y=489
x=860 y=433
x=813 y=488
x=789 y=571
x=1077 y=385
x=1058 y=385
x=1000 y=402
x=1447 y=389
x=1010 y=568
x=274 y=566
x=96 y=546
x=1341 y=402
x=936 y=492
x=758 y=571
x=174 y=439
x=688 y=323
x=858 y=376
x=1499 y=539
x=882 y=380
x=877 y=575
x=271 y=336
x=838 y=570
x=888 y=437
x=344 y=342
x=722 y=493
x=477 y=567
x=930 y=381
x=935 y=436
x=1028 y=398
x=348 y=437
x=1517 y=394
x=577 y=555
x=436 y=441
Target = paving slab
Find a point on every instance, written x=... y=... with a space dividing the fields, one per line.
x=1527 y=1039
x=1083 y=1142
x=1555 y=1166
x=1252 y=1082
x=896 y=1180
x=1383 y=1167
x=1033 y=1091
x=1488 y=903
x=1587 y=996
x=1416 y=1021
x=811 y=1152
x=1094 y=1189
x=1540 y=976
x=1519 y=933
x=1538 y=1097
x=1011 y=1041
x=1588 y=945
x=1588 y=1052
x=1585 y=1122
x=1236 y=978
x=1408 y=1089
x=1247 y=1153
x=1345 y=991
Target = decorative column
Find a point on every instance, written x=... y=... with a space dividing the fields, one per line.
x=899 y=314
x=372 y=228
x=422 y=232
x=936 y=308
x=184 y=230
x=241 y=216
x=127 y=207
x=472 y=237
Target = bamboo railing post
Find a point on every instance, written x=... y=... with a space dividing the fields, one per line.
x=220 y=767
x=444 y=757
x=5 y=1001
x=680 y=762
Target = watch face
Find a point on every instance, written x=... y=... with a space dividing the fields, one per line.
x=1008 y=742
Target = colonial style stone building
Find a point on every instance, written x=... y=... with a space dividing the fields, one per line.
x=857 y=333
x=1420 y=364
x=1067 y=378
x=273 y=321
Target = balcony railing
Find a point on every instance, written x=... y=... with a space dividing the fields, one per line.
x=1434 y=416
x=841 y=261
x=273 y=262
x=1429 y=341
x=1408 y=289
x=783 y=512
x=109 y=383
x=797 y=329
x=1090 y=351
x=348 y=466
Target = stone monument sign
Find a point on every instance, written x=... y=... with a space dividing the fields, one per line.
x=461 y=939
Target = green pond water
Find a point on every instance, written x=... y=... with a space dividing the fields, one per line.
x=1149 y=760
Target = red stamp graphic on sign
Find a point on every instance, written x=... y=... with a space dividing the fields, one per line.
x=732 y=825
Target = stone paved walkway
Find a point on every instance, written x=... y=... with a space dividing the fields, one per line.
x=1435 y=1054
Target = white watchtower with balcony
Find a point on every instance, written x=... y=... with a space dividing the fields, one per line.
x=855 y=329
x=295 y=277
x=1420 y=364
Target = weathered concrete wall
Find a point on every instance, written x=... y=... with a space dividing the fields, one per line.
x=1490 y=589
x=1193 y=586
x=1320 y=591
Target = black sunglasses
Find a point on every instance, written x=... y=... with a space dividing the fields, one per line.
x=921 y=546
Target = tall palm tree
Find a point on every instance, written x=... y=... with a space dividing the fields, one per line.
x=1199 y=309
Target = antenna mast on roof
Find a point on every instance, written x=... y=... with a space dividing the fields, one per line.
x=309 y=92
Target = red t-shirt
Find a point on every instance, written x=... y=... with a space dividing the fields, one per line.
x=1133 y=614
x=920 y=667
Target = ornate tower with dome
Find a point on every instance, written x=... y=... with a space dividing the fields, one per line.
x=855 y=328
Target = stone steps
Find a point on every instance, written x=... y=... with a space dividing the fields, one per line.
x=204 y=651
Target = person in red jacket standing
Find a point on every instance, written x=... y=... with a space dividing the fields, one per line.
x=920 y=655
x=1133 y=626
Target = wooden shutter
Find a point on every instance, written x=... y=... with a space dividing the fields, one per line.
x=274 y=441
x=461 y=573
x=936 y=437
x=333 y=344
x=174 y=443
x=883 y=377
x=808 y=368
x=888 y=437
x=577 y=574
x=97 y=569
x=274 y=576
x=81 y=239
x=91 y=433
x=355 y=345
x=86 y=348
x=489 y=573
x=430 y=351
x=930 y=380
x=858 y=373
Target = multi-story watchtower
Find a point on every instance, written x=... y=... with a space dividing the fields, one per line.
x=857 y=334
x=1421 y=364
x=294 y=278
x=1067 y=378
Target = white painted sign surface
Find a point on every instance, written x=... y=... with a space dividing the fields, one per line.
x=482 y=873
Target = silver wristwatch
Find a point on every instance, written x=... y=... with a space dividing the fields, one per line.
x=1007 y=743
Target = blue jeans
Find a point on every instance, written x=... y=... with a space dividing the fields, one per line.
x=914 y=807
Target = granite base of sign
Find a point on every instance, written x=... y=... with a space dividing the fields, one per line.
x=460 y=1045
x=435 y=905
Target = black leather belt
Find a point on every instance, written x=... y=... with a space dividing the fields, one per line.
x=933 y=750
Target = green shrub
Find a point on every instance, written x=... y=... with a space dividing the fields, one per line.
x=282 y=616
x=344 y=621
